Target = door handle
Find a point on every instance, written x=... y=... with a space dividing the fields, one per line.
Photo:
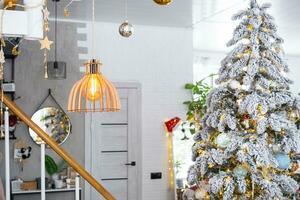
x=133 y=163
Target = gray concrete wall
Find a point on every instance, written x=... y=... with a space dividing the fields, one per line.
x=32 y=88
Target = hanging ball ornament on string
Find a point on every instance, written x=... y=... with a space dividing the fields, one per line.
x=163 y=2
x=126 y=29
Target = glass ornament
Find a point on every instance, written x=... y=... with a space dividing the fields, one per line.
x=126 y=29
x=223 y=140
x=234 y=84
x=283 y=161
x=240 y=171
x=162 y=2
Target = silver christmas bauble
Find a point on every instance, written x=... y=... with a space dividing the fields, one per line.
x=234 y=84
x=126 y=29
x=240 y=171
x=223 y=140
x=276 y=148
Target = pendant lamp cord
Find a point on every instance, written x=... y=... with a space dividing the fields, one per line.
x=93 y=29
x=126 y=9
x=55 y=33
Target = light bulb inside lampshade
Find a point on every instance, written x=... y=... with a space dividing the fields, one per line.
x=93 y=89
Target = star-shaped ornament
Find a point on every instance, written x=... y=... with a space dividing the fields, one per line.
x=46 y=43
x=46 y=13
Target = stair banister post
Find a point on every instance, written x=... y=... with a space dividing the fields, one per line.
x=77 y=193
x=7 y=158
x=43 y=174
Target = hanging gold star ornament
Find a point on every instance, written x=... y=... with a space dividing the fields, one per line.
x=46 y=43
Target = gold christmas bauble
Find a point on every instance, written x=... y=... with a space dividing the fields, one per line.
x=201 y=194
x=163 y=2
x=260 y=109
x=263 y=70
x=294 y=115
x=295 y=167
x=250 y=27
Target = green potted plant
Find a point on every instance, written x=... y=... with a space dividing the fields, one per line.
x=53 y=169
x=196 y=107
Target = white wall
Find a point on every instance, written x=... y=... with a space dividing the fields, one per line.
x=207 y=62
x=161 y=59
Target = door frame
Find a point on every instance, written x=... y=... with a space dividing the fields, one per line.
x=88 y=142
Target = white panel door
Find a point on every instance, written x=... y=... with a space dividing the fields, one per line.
x=114 y=147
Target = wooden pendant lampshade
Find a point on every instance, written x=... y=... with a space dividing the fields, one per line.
x=93 y=93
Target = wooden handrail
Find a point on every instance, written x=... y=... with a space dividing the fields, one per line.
x=61 y=152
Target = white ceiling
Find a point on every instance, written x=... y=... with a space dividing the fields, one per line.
x=211 y=19
x=214 y=28
x=145 y=12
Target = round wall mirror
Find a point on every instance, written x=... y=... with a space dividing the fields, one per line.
x=54 y=122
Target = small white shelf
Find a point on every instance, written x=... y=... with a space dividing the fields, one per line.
x=47 y=191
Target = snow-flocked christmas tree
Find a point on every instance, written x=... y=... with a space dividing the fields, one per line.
x=249 y=142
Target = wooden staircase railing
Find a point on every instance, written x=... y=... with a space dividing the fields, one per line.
x=61 y=152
